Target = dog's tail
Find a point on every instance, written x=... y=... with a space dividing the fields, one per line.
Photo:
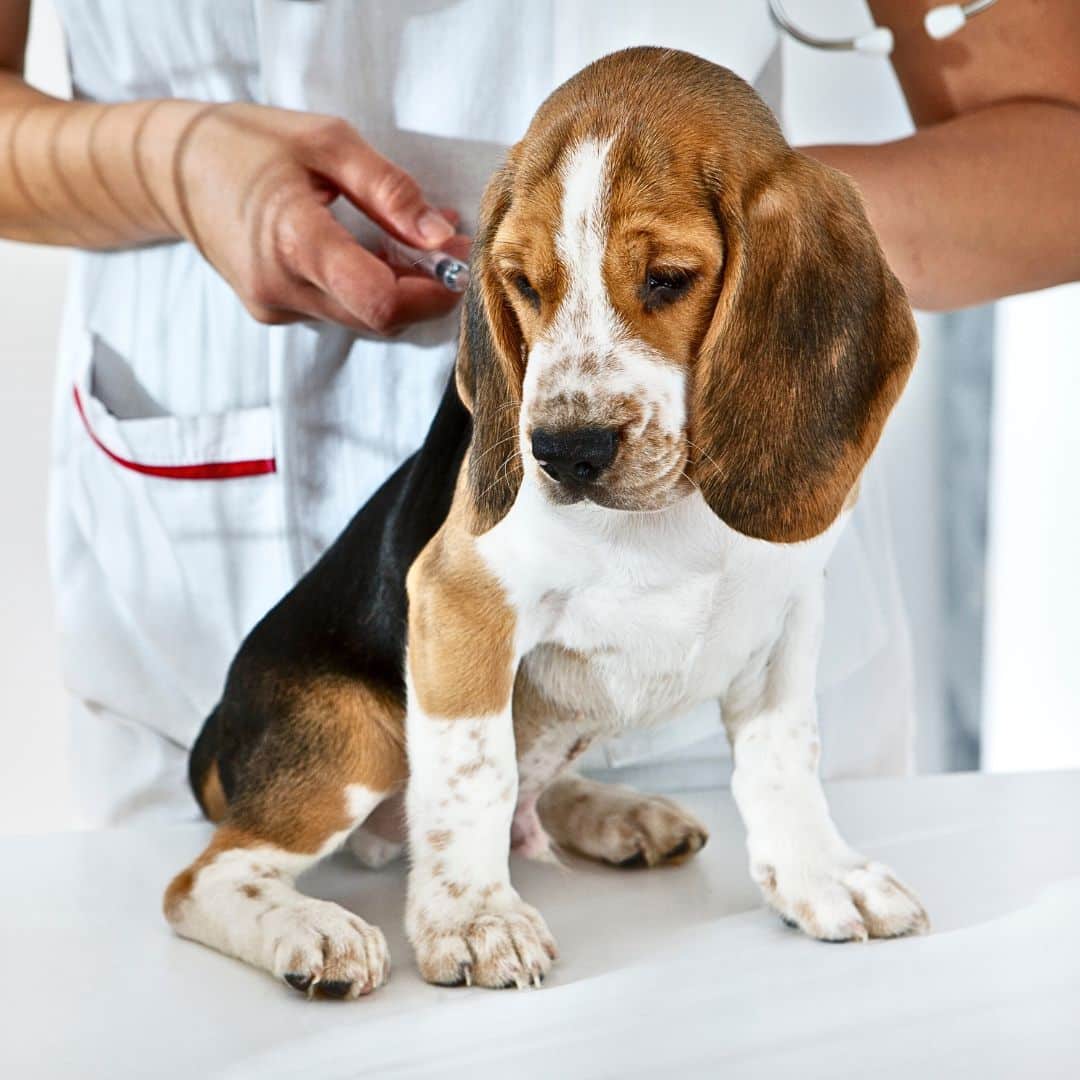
x=203 y=772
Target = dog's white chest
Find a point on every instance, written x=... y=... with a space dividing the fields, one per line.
x=652 y=650
x=637 y=617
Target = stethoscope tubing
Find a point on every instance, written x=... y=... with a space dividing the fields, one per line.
x=878 y=40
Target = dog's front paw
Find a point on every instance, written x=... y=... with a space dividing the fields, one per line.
x=844 y=900
x=320 y=948
x=494 y=948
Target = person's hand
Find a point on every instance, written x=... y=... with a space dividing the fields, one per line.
x=253 y=187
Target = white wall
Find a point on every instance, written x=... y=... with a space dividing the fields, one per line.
x=1032 y=672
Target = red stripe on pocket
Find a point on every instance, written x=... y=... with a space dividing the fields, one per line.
x=210 y=470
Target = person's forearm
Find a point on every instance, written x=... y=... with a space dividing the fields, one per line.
x=89 y=175
x=977 y=207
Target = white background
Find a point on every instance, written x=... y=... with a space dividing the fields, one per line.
x=1031 y=709
x=1033 y=635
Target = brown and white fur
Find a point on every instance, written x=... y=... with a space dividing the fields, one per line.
x=655 y=262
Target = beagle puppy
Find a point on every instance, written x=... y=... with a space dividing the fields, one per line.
x=679 y=348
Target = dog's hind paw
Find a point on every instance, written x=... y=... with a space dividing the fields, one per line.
x=618 y=825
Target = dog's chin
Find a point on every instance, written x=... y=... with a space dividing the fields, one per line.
x=611 y=497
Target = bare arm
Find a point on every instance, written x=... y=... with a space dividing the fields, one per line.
x=249 y=185
x=92 y=176
x=981 y=202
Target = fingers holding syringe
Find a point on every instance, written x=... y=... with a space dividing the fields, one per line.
x=354 y=287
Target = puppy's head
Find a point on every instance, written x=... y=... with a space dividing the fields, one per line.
x=667 y=297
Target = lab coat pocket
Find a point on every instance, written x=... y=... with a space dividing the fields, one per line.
x=184 y=518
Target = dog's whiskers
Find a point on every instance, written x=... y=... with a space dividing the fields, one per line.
x=494 y=446
x=502 y=475
x=708 y=457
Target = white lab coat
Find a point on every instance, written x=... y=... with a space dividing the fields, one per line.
x=157 y=579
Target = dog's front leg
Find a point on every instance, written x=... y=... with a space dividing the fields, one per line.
x=464 y=918
x=804 y=868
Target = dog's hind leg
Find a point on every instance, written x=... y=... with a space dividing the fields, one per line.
x=320 y=769
x=381 y=839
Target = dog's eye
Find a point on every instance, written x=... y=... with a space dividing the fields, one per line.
x=665 y=285
x=524 y=286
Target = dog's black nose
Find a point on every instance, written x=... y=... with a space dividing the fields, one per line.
x=569 y=456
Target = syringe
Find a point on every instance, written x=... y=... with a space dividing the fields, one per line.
x=451 y=273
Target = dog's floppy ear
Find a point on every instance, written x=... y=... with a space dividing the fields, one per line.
x=809 y=347
x=490 y=369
